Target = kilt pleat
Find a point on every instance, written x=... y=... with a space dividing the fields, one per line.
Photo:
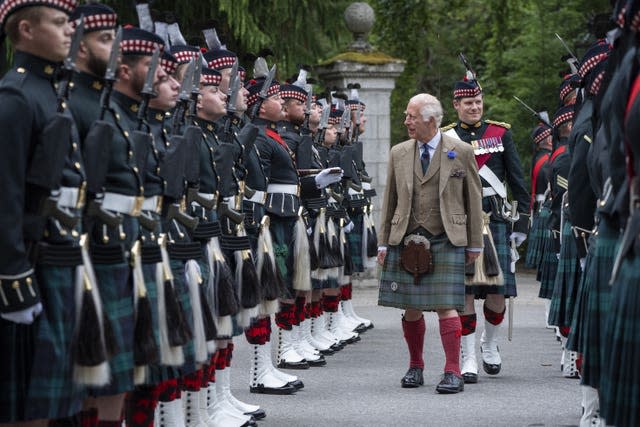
x=155 y=374
x=597 y=302
x=441 y=289
x=619 y=390
x=548 y=268
x=52 y=392
x=536 y=239
x=500 y=234
x=282 y=232
x=16 y=359
x=567 y=278
x=354 y=238
x=116 y=290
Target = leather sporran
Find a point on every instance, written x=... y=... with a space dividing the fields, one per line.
x=416 y=257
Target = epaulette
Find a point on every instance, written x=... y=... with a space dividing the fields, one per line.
x=502 y=124
x=449 y=126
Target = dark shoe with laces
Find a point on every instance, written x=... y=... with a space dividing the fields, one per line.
x=451 y=383
x=413 y=378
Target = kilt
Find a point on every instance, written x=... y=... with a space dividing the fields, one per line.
x=536 y=239
x=565 y=287
x=443 y=288
x=52 y=392
x=590 y=321
x=115 y=283
x=155 y=374
x=354 y=238
x=16 y=358
x=283 y=234
x=619 y=391
x=548 y=268
x=500 y=233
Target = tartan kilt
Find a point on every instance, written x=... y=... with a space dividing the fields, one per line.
x=567 y=278
x=52 y=392
x=283 y=235
x=593 y=322
x=154 y=373
x=548 y=268
x=443 y=288
x=354 y=238
x=115 y=283
x=500 y=234
x=619 y=391
x=536 y=239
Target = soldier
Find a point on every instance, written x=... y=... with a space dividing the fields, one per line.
x=493 y=140
x=40 y=250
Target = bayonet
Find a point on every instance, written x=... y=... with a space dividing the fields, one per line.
x=69 y=65
x=540 y=116
x=572 y=60
x=262 y=95
x=234 y=88
x=195 y=85
x=566 y=47
x=183 y=98
x=110 y=74
x=307 y=108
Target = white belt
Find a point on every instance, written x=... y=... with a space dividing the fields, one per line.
x=366 y=186
x=130 y=205
x=332 y=200
x=540 y=198
x=69 y=197
x=493 y=181
x=284 y=188
x=488 y=191
x=207 y=196
x=353 y=192
x=152 y=203
x=258 y=197
x=230 y=201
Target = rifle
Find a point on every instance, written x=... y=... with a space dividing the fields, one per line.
x=571 y=59
x=543 y=116
x=262 y=95
x=324 y=122
x=355 y=97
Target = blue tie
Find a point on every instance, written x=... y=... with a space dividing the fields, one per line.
x=424 y=158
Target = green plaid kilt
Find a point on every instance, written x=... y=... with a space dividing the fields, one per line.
x=52 y=392
x=116 y=291
x=548 y=268
x=536 y=239
x=283 y=235
x=500 y=233
x=354 y=238
x=619 y=390
x=592 y=320
x=441 y=289
x=155 y=373
x=565 y=288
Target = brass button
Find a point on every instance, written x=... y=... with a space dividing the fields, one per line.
x=126 y=134
x=15 y=284
x=117 y=116
x=135 y=169
x=130 y=153
x=21 y=70
x=77 y=165
x=75 y=146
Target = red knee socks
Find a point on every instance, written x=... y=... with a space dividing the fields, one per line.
x=450 y=333
x=414 y=336
x=469 y=322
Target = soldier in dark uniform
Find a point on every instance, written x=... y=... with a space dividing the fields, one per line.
x=493 y=140
x=123 y=196
x=39 y=250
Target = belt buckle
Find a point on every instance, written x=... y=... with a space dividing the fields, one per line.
x=137 y=206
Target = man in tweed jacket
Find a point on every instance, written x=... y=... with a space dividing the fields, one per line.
x=433 y=190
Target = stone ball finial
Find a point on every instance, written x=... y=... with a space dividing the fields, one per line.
x=359 y=18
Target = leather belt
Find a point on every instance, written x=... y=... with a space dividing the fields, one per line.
x=366 y=186
x=129 y=205
x=70 y=197
x=230 y=201
x=488 y=191
x=152 y=204
x=284 y=188
x=258 y=197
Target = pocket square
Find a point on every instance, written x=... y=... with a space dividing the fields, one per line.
x=458 y=173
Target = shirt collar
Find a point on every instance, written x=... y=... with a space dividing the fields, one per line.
x=433 y=142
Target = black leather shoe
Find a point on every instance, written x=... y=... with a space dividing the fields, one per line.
x=293 y=365
x=297 y=384
x=451 y=383
x=261 y=389
x=490 y=368
x=327 y=352
x=470 y=378
x=320 y=362
x=258 y=414
x=413 y=378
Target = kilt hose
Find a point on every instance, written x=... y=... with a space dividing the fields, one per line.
x=37 y=360
x=354 y=238
x=536 y=239
x=500 y=231
x=619 y=391
x=443 y=288
x=115 y=282
x=568 y=274
x=589 y=322
x=283 y=235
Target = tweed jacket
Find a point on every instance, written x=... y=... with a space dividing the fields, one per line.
x=459 y=187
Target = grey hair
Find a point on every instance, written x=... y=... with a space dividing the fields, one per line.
x=430 y=107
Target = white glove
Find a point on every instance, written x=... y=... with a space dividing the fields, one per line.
x=558 y=256
x=582 y=262
x=327 y=177
x=347 y=228
x=26 y=316
x=518 y=237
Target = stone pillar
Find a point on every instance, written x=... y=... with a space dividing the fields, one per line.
x=376 y=73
